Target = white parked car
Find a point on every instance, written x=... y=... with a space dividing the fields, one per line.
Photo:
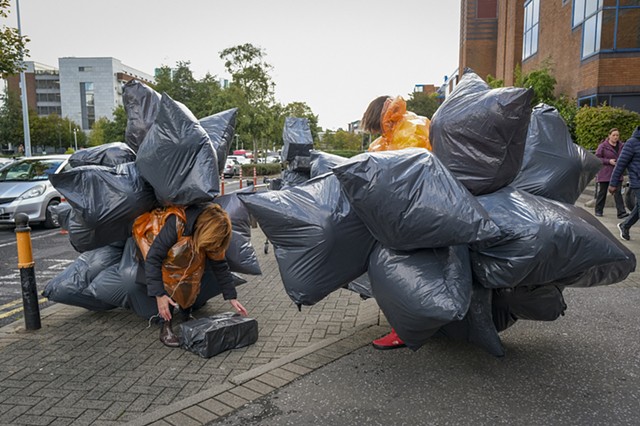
x=240 y=159
x=25 y=188
x=231 y=168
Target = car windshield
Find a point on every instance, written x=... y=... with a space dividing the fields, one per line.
x=30 y=170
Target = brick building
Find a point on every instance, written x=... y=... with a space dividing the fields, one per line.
x=592 y=46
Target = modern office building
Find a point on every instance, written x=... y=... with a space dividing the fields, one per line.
x=43 y=88
x=91 y=88
x=592 y=46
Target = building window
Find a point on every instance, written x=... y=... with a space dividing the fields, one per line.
x=85 y=69
x=608 y=26
x=87 y=105
x=531 y=25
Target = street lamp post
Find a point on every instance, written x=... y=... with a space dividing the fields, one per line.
x=23 y=88
x=75 y=138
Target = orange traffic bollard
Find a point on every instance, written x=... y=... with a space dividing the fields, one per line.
x=255 y=179
x=27 y=273
x=222 y=184
x=240 y=177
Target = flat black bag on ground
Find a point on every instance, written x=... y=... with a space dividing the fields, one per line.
x=241 y=256
x=105 y=199
x=323 y=162
x=553 y=166
x=177 y=157
x=546 y=242
x=221 y=127
x=71 y=285
x=108 y=155
x=141 y=104
x=479 y=133
x=422 y=290
x=210 y=336
x=296 y=137
x=409 y=200
x=319 y=242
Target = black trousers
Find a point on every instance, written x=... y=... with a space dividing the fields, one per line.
x=601 y=195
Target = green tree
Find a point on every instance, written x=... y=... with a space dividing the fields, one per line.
x=114 y=129
x=542 y=83
x=12 y=45
x=342 y=140
x=11 y=119
x=97 y=133
x=423 y=104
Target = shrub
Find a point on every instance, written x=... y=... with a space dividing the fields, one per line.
x=261 y=169
x=567 y=108
x=593 y=124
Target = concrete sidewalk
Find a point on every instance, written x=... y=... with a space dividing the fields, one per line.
x=108 y=368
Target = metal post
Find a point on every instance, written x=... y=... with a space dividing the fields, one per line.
x=75 y=138
x=27 y=273
x=23 y=89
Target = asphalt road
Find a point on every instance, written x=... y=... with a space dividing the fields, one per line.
x=582 y=369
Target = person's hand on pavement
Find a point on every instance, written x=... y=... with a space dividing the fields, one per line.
x=238 y=307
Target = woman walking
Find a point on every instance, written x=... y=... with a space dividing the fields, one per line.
x=608 y=152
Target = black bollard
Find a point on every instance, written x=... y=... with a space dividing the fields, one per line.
x=27 y=273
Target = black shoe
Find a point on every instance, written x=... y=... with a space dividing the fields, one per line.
x=624 y=233
x=598 y=214
x=623 y=215
x=167 y=337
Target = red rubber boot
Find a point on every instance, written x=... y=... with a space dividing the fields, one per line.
x=390 y=341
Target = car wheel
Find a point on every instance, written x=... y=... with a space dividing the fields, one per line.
x=50 y=220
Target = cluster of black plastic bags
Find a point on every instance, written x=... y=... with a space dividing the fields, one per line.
x=169 y=158
x=462 y=241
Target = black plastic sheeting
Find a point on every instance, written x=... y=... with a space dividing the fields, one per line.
x=71 y=286
x=300 y=164
x=297 y=139
x=221 y=128
x=62 y=211
x=109 y=155
x=479 y=133
x=554 y=167
x=477 y=326
x=409 y=200
x=106 y=200
x=362 y=286
x=241 y=256
x=177 y=157
x=293 y=178
x=420 y=291
x=545 y=241
x=323 y=162
x=141 y=104
x=319 y=242
x=210 y=336
x=540 y=303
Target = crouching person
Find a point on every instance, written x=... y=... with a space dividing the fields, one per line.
x=178 y=244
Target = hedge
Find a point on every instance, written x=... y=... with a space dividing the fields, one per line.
x=593 y=124
x=262 y=169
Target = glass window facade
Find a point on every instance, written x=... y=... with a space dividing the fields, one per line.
x=608 y=25
x=531 y=26
x=87 y=105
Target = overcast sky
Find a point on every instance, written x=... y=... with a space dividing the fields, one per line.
x=335 y=55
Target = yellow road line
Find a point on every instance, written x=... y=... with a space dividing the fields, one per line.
x=7 y=305
x=17 y=310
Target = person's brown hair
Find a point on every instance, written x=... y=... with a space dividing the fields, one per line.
x=212 y=231
x=613 y=130
x=372 y=117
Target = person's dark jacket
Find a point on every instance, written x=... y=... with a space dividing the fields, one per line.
x=166 y=239
x=629 y=159
x=605 y=153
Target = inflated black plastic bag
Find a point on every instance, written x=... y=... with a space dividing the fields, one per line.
x=210 y=336
x=71 y=286
x=221 y=127
x=81 y=237
x=544 y=242
x=241 y=256
x=300 y=164
x=538 y=303
x=296 y=137
x=422 y=290
x=477 y=326
x=293 y=178
x=62 y=212
x=323 y=162
x=479 y=133
x=409 y=200
x=177 y=157
x=141 y=104
x=106 y=199
x=362 y=286
x=109 y=155
x=319 y=242
x=554 y=167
